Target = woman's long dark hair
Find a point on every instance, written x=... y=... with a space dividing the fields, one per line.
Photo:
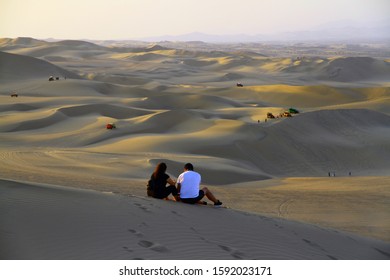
x=160 y=170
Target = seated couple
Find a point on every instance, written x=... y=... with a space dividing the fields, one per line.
x=187 y=190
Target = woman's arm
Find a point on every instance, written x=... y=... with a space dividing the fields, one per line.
x=171 y=182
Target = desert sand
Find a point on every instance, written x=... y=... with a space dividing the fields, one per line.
x=313 y=186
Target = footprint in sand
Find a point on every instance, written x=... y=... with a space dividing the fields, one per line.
x=127 y=249
x=233 y=252
x=176 y=213
x=143 y=207
x=136 y=233
x=194 y=230
x=153 y=246
x=314 y=245
x=143 y=224
x=279 y=226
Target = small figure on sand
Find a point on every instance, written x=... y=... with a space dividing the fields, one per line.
x=188 y=186
x=157 y=185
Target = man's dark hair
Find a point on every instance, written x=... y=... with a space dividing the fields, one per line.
x=189 y=166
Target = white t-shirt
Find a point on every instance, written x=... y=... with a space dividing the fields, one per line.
x=190 y=182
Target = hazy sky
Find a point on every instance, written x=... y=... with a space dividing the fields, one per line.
x=128 y=19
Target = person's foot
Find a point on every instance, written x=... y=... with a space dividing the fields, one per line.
x=218 y=203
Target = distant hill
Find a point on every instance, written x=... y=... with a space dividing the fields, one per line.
x=15 y=67
x=341 y=69
x=10 y=43
x=316 y=141
x=356 y=69
x=52 y=51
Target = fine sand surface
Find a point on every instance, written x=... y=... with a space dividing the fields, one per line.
x=178 y=105
x=51 y=222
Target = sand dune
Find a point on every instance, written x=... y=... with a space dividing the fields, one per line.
x=71 y=49
x=311 y=96
x=16 y=67
x=341 y=69
x=357 y=69
x=187 y=101
x=182 y=105
x=21 y=42
x=130 y=228
x=315 y=142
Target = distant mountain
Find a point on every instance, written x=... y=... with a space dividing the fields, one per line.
x=335 y=31
x=202 y=37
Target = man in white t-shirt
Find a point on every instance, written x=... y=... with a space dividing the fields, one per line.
x=188 y=184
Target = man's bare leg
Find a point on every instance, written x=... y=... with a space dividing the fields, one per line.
x=209 y=194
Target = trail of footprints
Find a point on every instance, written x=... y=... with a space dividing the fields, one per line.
x=145 y=243
x=236 y=254
x=142 y=242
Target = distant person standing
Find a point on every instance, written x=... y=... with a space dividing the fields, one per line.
x=188 y=186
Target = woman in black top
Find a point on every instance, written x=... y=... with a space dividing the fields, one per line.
x=157 y=184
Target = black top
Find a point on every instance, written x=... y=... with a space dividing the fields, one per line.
x=160 y=183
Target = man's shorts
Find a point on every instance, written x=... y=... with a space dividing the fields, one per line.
x=194 y=199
